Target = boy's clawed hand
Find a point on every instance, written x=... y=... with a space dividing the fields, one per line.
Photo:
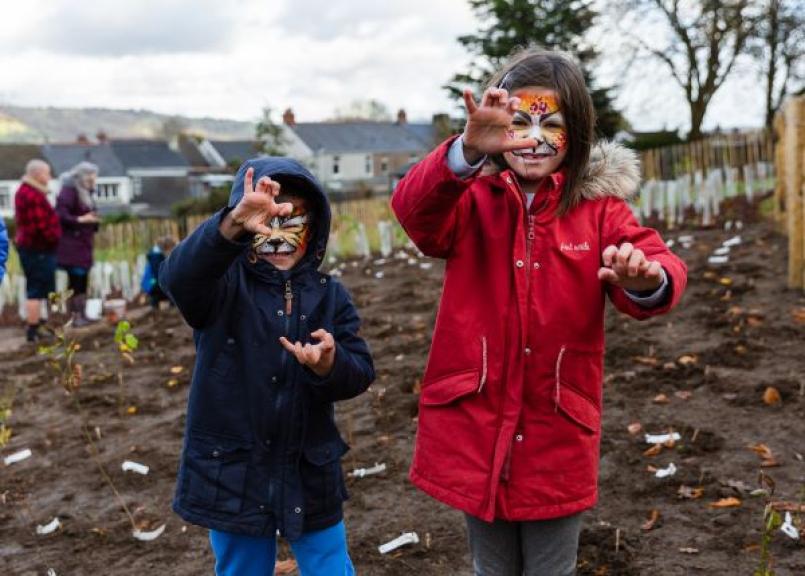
x=628 y=267
x=318 y=357
x=257 y=207
x=488 y=125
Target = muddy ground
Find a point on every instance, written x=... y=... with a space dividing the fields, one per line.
x=737 y=332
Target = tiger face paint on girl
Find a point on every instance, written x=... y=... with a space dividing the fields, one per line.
x=539 y=116
x=288 y=240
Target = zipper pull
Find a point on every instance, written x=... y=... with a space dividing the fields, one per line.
x=288 y=298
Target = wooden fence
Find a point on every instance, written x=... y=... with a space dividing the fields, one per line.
x=788 y=198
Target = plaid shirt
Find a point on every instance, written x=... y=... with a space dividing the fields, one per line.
x=38 y=225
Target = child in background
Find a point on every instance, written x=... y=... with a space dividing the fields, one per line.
x=153 y=260
x=277 y=344
x=3 y=248
x=536 y=234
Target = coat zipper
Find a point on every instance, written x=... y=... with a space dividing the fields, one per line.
x=288 y=300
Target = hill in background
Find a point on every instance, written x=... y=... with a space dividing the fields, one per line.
x=20 y=124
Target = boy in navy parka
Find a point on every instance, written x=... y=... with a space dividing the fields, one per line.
x=277 y=343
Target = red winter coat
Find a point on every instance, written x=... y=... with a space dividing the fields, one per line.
x=510 y=410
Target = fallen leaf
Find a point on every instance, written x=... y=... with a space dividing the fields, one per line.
x=769 y=463
x=683 y=394
x=653 y=451
x=709 y=275
x=661 y=399
x=741 y=349
x=771 y=396
x=725 y=281
x=172 y=383
x=761 y=450
x=634 y=428
x=799 y=315
x=651 y=468
x=754 y=321
x=645 y=360
x=417 y=386
x=285 y=567
x=177 y=369
x=652 y=520
x=131 y=410
x=735 y=311
x=783 y=506
x=689 y=493
x=688 y=359
x=730 y=502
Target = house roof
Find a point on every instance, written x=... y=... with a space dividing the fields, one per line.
x=147 y=154
x=359 y=137
x=236 y=151
x=424 y=131
x=62 y=157
x=14 y=157
x=188 y=147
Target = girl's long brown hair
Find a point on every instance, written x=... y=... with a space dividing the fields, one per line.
x=537 y=67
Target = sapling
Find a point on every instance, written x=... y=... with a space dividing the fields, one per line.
x=5 y=413
x=126 y=343
x=772 y=520
x=61 y=354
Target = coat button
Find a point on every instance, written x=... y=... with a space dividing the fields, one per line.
x=519 y=437
x=527 y=351
x=323 y=280
x=298 y=510
x=262 y=508
x=536 y=265
x=230 y=340
x=215 y=453
x=303 y=317
x=280 y=313
x=519 y=264
x=267 y=442
x=273 y=378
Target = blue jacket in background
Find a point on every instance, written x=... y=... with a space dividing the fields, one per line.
x=3 y=249
x=261 y=450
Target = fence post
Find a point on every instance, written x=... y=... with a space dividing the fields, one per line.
x=794 y=148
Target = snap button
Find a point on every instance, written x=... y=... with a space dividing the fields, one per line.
x=215 y=453
x=519 y=437
x=536 y=265
x=323 y=280
x=519 y=264
x=267 y=442
x=230 y=340
x=527 y=351
x=280 y=313
x=273 y=378
x=508 y=179
x=298 y=510
x=303 y=317
x=262 y=508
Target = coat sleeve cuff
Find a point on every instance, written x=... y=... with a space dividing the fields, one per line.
x=457 y=162
x=651 y=299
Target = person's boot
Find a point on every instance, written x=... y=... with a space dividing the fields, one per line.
x=32 y=333
x=79 y=306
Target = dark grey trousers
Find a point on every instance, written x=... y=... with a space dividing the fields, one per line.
x=534 y=548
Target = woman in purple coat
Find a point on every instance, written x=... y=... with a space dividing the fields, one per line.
x=76 y=209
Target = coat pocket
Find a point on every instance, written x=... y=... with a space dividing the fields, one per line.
x=577 y=388
x=452 y=387
x=322 y=479
x=216 y=470
x=579 y=409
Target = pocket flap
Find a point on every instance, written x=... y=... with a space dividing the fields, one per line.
x=450 y=388
x=213 y=446
x=579 y=409
x=326 y=453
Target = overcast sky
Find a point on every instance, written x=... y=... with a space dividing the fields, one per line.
x=229 y=59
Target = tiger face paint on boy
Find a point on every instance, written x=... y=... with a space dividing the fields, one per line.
x=539 y=116
x=289 y=238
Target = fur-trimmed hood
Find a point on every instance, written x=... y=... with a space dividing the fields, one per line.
x=614 y=170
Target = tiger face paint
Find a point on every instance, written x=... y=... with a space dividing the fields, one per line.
x=290 y=235
x=539 y=116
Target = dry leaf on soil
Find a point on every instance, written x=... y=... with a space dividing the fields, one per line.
x=771 y=396
x=652 y=520
x=730 y=502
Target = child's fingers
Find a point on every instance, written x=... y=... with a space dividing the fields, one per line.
x=263 y=185
x=608 y=275
x=654 y=270
x=519 y=144
x=624 y=252
x=326 y=340
x=513 y=105
x=261 y=229
x=609 y=254
x=286 y=344
x=248 y=181
x=469 y=101
x=283 y=209
x=636 y=260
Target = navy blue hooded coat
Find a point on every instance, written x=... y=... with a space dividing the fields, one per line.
x=261 y=450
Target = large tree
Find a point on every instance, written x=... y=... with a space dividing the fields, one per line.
x=269 y=135
x=511 y=24
x=779 y=47
x=704 y=39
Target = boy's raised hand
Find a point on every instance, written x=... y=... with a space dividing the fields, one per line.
x=257 y=206
x=488 y=125
x=628 y=267
x=318 y=357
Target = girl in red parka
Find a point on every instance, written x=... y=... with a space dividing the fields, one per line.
x=533 y=222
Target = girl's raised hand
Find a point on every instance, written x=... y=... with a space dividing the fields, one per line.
x=488 y=126
x=257 y=207
x=628 y=267
x=318 y=357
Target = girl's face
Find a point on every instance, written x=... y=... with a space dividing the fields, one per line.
x=540 y=117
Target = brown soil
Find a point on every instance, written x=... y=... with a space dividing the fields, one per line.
x=742 y=339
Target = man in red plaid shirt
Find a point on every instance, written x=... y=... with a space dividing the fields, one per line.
x=38 y=234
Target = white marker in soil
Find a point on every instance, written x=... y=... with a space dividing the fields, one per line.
x=148 y=536
x=17 y=457
x=723 y=251
x=662 y=438
x=734 y=241
x=718 y=260
x=48 y=528
x=666 y=472
x=361 y=472
x=788 y=527
x=401 y=540
x=129 y=466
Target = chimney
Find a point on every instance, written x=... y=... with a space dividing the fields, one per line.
x=101 y=137
x=288 y=118
x=402 y=117
x=83 y=140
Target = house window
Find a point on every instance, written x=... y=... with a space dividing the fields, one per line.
x=384 y=165
x=108 y=192
x=336 y=164
x=368 y=164
x=137 y=186
x=5 y=198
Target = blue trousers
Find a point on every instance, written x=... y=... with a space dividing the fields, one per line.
x=321 y=553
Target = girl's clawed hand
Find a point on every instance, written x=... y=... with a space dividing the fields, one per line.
x=318 y=357
x=488 y=128
x=628 y=267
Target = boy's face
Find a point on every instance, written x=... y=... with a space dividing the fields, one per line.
x=539 y=116
x=289 y=238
